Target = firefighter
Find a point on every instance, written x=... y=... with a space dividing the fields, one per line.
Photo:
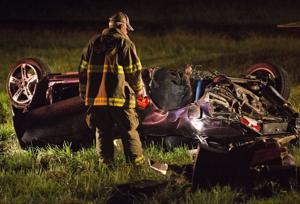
x=109 y=82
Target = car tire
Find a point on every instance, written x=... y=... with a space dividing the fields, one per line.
x=273 y=74
x=27 y=84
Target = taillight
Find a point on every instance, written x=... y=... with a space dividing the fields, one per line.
x=250 y=123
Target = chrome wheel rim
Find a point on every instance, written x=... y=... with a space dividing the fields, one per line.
x=22 y=84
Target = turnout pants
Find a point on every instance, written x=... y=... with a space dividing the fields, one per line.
x=105 y=118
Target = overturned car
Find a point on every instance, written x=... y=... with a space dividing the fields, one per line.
x=199 y=107
x=246 y=120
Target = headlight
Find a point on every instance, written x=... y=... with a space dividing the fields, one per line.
x=197 y=124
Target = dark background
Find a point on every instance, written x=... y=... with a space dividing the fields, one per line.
x=153 y=16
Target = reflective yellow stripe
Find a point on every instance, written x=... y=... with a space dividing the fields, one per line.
x=138 y=86
x=105 y=68
x=102 y=101
x=133 y=68
x=116 y=101
x=112 y=68
x=139 y=160
x=83 y=64
x=106 y=101
x=138 y=64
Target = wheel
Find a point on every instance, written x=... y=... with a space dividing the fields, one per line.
x=274 y=75
x=27 y=83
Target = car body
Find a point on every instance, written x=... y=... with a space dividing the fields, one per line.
x=225 y=117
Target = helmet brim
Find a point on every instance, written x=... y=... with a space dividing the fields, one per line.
x=129 y=27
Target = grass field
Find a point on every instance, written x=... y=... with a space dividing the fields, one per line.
x=57 y=175
x=61 y=49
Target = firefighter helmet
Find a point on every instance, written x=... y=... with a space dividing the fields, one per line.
x=120 y=18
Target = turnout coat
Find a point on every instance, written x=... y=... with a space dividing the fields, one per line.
x=110 y=70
